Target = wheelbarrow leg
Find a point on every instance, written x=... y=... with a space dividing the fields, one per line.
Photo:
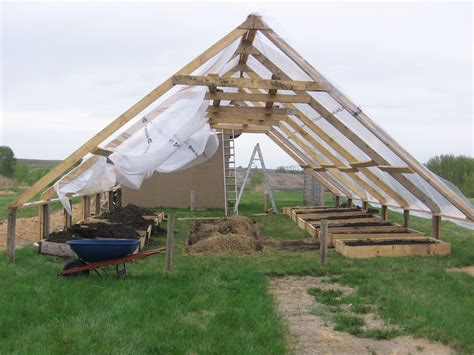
x=121 y=271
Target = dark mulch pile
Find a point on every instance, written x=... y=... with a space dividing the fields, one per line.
x=94 y=231
x=369 y=242
x=131 y=215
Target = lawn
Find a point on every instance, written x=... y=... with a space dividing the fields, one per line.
x=220 y=304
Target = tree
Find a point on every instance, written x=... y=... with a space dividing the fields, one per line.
x=7 y=161
x=456 y=169
x=21 y=172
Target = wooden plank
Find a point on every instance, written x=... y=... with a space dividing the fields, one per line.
x=102 y=152
x=360 y=236
x=257 y=97
x=56 y=249
x=242 y=127
x=363 y=164
x=269 y=120
x=251 y=110
x=358 y=252
x=11 y=234
x=294 y=85
x=151 y=97
x=395 y=169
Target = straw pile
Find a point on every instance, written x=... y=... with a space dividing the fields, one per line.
x=236 y=234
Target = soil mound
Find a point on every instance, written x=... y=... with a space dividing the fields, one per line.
x=235 y=234
x=131 y=215
x=94 y=231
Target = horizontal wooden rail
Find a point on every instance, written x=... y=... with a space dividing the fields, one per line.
x=241 y=96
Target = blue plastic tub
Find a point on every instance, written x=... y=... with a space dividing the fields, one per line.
x=103 y=249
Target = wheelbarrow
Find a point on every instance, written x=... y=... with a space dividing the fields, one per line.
x=95 y=254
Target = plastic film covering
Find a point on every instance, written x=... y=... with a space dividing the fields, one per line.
x=172 y=136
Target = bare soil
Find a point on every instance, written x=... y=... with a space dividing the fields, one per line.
x=310 y=334
x=130 y=215
x=466 y=269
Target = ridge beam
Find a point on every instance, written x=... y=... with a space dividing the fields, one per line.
x=251 y=111
x=265 y=84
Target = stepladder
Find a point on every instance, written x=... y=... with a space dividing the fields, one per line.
x=228 y=157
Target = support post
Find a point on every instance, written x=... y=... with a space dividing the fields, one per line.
x=110 y=201
x=97 y=204
x=337 y=201
x=406 y=217
x=44 y=214
x=118 y=198
x=67 y=218
x=323 y=241
x=85 y=207
x=265 y=202
x=436 y=227
x=193 y=201
x=169 y=241
x=365 y=205
x=349 y=202
x=384 y=212
x=11 y=234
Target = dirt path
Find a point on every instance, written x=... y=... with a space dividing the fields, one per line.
x=310 y=334
x=27 y=228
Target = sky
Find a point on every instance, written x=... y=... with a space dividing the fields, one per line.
x=68 y=69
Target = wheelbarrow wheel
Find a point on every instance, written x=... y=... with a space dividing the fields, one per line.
x=73 y=264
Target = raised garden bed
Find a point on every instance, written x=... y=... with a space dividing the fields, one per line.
x=370 y=248
x=332 y=216
x=353 y=224
x=396 y=233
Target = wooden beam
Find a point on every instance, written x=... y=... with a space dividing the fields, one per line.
x=436 y=226
x=246 y=83
x=362 y=164
x=251 y=110
x=372 y=127
x=384 y=213
x=151 y=97
x=395 y=169
x=242 y=119
x=406 y=218
x=102 y=152
x=258 y=97
x=243 y=128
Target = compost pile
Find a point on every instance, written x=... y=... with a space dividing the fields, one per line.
x=131 y=215
x=121 y=223
x=236 y=235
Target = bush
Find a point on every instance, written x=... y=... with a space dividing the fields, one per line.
x=7 y=161
x=456 y=169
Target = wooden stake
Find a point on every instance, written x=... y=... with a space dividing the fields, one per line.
x=110 y=201
x=193 y=201
x=118 y=198
x=265 y=202
x=336 y=201
x=323 y=241
x=436 y=227
x=384 y=212
x=11 y=234
x=85 y=207
x=169 y=242
x=97 y=205
x=44 y=214
x=406 y=217
x=365 y=205
x=67 y=218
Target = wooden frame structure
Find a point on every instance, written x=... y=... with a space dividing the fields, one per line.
x=274 y=106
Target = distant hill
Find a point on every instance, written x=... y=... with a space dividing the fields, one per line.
x=38 y=163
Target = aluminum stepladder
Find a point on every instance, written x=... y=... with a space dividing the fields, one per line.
x=256 y=150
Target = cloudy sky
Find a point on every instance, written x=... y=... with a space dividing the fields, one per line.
x=69 y=69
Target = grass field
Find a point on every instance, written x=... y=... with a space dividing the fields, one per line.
x=220 y=304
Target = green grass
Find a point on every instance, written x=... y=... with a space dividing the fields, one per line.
x=220 y=304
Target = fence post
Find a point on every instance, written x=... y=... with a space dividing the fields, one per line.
x=44 y=214
x=436 y=227
x=11 y=234
x=67 y=217
x=97 y=204
x=193 y=201
x=384 y=212
x=265 y=202
x=323 y=241
x=406 y=218
x=110 y=201
x=169 y=241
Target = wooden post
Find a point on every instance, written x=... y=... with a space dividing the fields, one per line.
x=44 y=214
x=384 y=212
x=85 y=207
x=193 y=201
x=336 y=201
x=349 y=202
x=323 y=241
x=406 y=217
x=436 y=227
x=110 y=201
x=67 y=218
x=11 y=234
x=97 y=204
x=265 y=202
x=365 y=205
x=118 y=198
x=169 y=242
